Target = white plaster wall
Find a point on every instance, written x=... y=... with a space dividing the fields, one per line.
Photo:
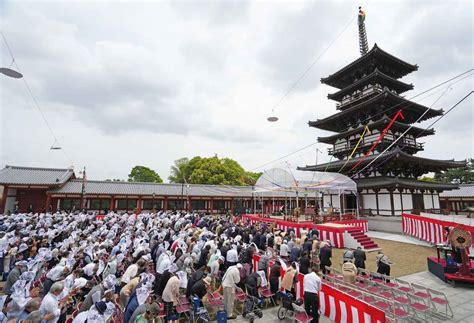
x=428 y=202
x=407 y=203
x=369 y=202
x=397 y=202
x=436 y=201
x=384 y=202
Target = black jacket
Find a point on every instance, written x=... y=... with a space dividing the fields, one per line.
x=325 y=255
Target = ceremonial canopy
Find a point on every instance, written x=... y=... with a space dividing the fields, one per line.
x=280 y=180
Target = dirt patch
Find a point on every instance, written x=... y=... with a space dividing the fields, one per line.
x=408 y=258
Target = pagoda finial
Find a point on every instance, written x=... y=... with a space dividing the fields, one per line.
x=363 y=44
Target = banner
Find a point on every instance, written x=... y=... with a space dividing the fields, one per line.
x=428 y=229
x=335 y=304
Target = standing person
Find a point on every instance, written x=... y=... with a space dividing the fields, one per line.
x=311 y=287
x=170 y=298
x=284 y=250
x=348 y=255
x=232 y=256
x=304 y=263
x=383 y=264
x=229 y=283
x=275 y=273
x=325 y=255
x=360 y=258
x=14 y=275
x=289 y=280
x=349 y=272
x=50 y=304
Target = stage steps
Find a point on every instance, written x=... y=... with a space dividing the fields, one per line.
x=363 y=240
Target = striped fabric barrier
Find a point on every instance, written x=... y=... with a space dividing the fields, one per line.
x=428 y=229
x=326 y=232
x=335 y=304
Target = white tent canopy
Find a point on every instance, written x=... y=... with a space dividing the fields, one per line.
x=280 y=180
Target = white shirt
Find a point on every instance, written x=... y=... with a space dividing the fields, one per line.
x=311 y=283
x=164 y=264
x=129 y=273
x=89 y=269
x=284 y=250
x=232 y=256
x=55 y=273
x=50 y=305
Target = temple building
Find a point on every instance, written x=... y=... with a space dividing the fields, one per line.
x=369 y=97
x=37 y=189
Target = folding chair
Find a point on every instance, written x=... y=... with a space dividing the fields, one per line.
x=400 y=297
x=420 y=291
x=241 y=297
x=78 y=307
x=439 y=299
x=300 y=314
x=69 y=320
x=418 y=306
x=376 y=277
x=183 y=309
x=388 y=281
x=364 y=272
x=399 y=312
x=74 y=314
x=266 y=294
x=385 y=292
x=329 y=271
x=403 y=285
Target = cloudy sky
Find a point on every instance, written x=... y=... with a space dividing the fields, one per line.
x=126 y=83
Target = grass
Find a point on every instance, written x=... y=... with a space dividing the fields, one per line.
x=408 y=258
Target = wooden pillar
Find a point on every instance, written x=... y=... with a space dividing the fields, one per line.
x=231 y=205
x=392 y=204
x=165 y=204
x=48 y=202
x=401 y=198
x=377 y=200
x=112 y=204
x=139 y=205
x=3 y=202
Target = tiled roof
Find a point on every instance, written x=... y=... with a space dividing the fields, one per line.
x=401 y=68
x=386 y=182
x=396 y=152
x=134 y=188
x=35 y=176
x=465 y=190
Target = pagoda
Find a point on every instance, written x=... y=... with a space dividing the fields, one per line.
x=370 y=95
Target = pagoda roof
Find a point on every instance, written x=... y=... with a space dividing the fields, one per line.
x=397 y=153
x=379 y=124
x=373 y=106
x=377 y=76
x=376 y=57
x=397 y=182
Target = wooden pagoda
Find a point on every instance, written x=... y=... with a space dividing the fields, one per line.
x=370 y=94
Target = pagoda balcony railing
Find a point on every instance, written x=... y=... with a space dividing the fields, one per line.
x=347 y=148
x=359 y=95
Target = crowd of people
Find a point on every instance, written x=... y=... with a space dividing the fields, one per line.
x=125 y=266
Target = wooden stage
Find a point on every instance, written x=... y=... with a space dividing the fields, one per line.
x=348 y=233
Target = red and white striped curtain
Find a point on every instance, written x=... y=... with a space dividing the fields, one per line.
x=427 y=229
x=335 y=304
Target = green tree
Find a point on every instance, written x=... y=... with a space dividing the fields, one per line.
x=251 y=178
x=461 y=175
x=211 y=170
x=144 y=174
x=178 y=171
x=427 y=179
